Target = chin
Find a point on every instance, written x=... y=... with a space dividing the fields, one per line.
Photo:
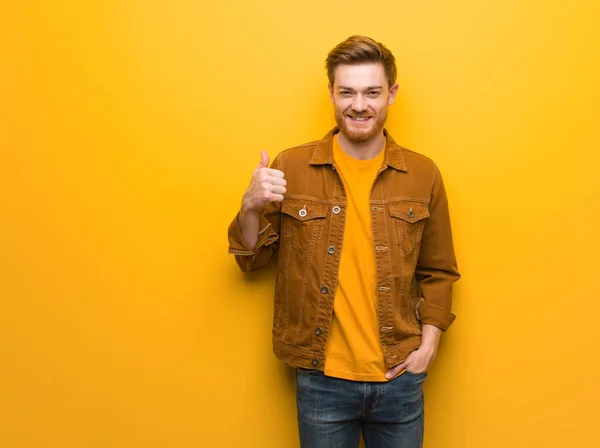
x=359 y=135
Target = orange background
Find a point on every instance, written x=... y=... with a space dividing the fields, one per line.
x=128 y=133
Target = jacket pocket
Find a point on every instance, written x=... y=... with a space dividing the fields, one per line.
x=303 y=222
x=409 y=219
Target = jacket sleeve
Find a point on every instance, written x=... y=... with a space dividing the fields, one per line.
x=267 y=245
x=437 y=269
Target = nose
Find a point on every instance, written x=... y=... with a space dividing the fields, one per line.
x=359 y=104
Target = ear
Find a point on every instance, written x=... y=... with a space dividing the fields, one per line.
x=393 y=92
x=330 y=87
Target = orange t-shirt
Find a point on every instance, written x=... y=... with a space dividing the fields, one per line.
x=353 y=348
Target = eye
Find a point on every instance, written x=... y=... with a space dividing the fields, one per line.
x=345 y=93
x=373 y=93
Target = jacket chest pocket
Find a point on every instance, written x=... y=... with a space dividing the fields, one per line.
x=303 y=222
x=409 y=218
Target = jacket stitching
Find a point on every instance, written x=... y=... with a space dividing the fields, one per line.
x=304 y=280
x=288 y=249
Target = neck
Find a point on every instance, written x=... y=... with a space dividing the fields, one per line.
x=362 y=150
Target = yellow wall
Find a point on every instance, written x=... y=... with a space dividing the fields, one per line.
x=128 y=132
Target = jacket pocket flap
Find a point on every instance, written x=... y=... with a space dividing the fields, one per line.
x=409 y=211
x=304 y=209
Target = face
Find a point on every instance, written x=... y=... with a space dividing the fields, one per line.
x=361 y=96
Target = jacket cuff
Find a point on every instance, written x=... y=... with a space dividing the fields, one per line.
x=237 y=244
x=431 y=314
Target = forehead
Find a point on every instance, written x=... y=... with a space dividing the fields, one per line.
x=360 y=76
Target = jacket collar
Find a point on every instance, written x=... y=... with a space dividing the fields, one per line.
x=323 y=154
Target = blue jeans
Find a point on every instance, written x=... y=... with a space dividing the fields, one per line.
x=332 y=412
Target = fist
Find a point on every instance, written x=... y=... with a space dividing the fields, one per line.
x=267 y=185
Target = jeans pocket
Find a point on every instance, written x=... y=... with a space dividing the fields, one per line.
x=303 y=371
x=421 y=375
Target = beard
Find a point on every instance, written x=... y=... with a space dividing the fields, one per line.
x=357 y=134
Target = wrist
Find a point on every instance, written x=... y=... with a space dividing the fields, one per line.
x=247 y=210
x=430 y=338
x=428 y=349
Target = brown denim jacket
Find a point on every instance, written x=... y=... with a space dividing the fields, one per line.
x=412 y=242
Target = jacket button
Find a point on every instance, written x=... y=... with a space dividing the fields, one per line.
x=331 y=250
x=336 y=210
x=324 y=289
x=411 y=214
x=318 y=332
x=315 y=362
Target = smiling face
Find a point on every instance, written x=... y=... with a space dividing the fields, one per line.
x=361 y=95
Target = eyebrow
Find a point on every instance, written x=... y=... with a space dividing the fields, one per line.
x=368 y=88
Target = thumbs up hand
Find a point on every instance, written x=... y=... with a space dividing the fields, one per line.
x=267 y=185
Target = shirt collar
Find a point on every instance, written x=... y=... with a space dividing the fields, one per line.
x=323 y=154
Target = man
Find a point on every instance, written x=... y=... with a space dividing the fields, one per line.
x=365 y=262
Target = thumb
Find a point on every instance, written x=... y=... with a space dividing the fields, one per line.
x=394 y=371
x=264 y=159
